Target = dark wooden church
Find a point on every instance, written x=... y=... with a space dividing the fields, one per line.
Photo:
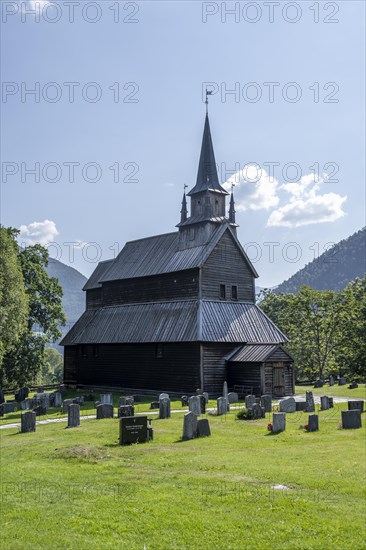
x=177 y=312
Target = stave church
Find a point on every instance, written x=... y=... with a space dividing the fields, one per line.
x=177 y=312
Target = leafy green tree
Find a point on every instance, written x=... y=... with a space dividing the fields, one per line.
x=52 y=372
x=13 y=298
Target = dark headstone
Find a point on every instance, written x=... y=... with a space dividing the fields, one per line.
x=331 y=380
x=331 y=402
x=73 y=415
x=279 y=422
x=28 y=422
x=1 y=409
x=353 y=385
x=184 y=400
x=324 y=402
x=301 y=405
x=164 y=407
x=189 y=425
x=266 y=402
x=133 y=429
x=2 y=397
x=9 y=407
x=310 y=405
x=342 y=381
x=51 y=399
x=318 y=384
x=126 y=400
x=203 y=428
x=126 y=410
x=40 y=410
x=352 y=405
x=65 y=405
x=257 y=412
x=351 y=419
x=313 y=423
x=203 y=403
x=154 y=405
x=104 y=410
x=21 y=394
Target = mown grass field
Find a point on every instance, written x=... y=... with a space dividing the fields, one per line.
x=78 y=489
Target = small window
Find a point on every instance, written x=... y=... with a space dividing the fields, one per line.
x=222 y=292
x=95 y=350
x=234 y=292
x=159 y=351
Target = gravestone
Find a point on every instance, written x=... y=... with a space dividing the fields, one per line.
x=25 y=405
x=126 y=400
x=351 y=420
x=126 y=410
x=73 y=415
x=104 y=410
x=203 y=428
x=164 y=396
x=58 y=399
x=65 y=405
x=205 y=394
x=184 y=400
x=266 y=402
x=279 y=422
x=310 y=406
x=288 y=405
x=28 y=422
x=153 y=405
x=257 y=411
x=79 y=400
x=353 y=385
x=97 y=403
x=133 y=429
x=40 y=410
x=21 y=394
x=164 y=407
x=51 y=399
x=233 y=397
x=44 y=399
x=2 y=397
x=331 y=403
x=189 y=426
x=301 y=405
x=342 y=381
x=221 y=406
x=225 y=392
x=313 y=423
x=106 y=399
x=1 y=409
x=249 y=401
x=203 y=403
x=194 y=403
x=324 y=403
x=318 y=384
x=355 y=405
x=331 y=380
x=9 y=407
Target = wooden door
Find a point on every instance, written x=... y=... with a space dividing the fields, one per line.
x=279 y=379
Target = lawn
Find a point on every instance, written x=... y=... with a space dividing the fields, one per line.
x=335 y=391
x=78 y=489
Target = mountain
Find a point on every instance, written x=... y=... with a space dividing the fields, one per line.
x=334 y=269
x=72 y=283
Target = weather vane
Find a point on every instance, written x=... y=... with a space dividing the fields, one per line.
x=208 y=92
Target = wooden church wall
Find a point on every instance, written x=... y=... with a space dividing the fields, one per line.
x=246 y=374
x=227 y=266
x=166 y=287
x=214 y=366
x=93 y=298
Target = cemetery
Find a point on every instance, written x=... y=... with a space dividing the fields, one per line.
x=145 y=464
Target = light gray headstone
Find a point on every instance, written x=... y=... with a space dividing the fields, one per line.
x=257 y=411
x=65 y=405
x=351 y=419
x=164 y=396
x=28 y=422
x=279 y=422
x=221 y=406
x=233 y=397
x=324 y=402
x=73 y=415
x=310 y=405
x=203 y=428
x=225 y=392
x=58 y=399
x=355 y=405
x=194 y=404
x=313 y=423
x=266 y=402
x=288 y=405
x=249 y=401
x=104 y=410
x=25 y=405
x=189 y=425
x=164 y=407
x=106 y=398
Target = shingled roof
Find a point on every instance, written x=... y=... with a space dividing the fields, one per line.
x=95 y=277
x=180 y=321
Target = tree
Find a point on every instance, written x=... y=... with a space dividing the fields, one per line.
x=45 y=315
x=13 y=298
x=53 y=370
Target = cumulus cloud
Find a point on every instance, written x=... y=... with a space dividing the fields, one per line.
x=254 y=188
x=307 y=205
x=38 y=232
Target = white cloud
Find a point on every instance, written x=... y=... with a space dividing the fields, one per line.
x=38 y=232
x=254 y=189
x=307 y=205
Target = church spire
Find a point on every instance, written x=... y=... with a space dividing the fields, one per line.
x=232 y=207
x=184 y=211
x=207 y=178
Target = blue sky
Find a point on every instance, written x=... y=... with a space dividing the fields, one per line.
x=153 y=131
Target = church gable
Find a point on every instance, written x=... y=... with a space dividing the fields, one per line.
x=227 y=273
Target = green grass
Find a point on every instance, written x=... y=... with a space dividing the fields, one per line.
x=335 y=391
x=78 y=489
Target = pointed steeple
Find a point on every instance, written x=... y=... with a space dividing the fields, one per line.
x=207 y=178
x=232 y=207
x=184 y=211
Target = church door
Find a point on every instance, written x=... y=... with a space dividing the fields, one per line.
x=279 y=379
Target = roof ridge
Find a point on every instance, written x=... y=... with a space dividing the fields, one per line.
x=152 y=237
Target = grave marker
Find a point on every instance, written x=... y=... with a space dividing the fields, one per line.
x=203 y=428
x=266 y=402
x=126 y=410
x=133 y=429
x=104 y=410
x=28 y=422
x=249 y=401
x=313 y=423
x=189 y=426
x=73 y=415
x=194 y=403
x=351 y=420
x=279 y=422
x=355 y=405
x=288 y=405
x=310 y=406
x=164 y=407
